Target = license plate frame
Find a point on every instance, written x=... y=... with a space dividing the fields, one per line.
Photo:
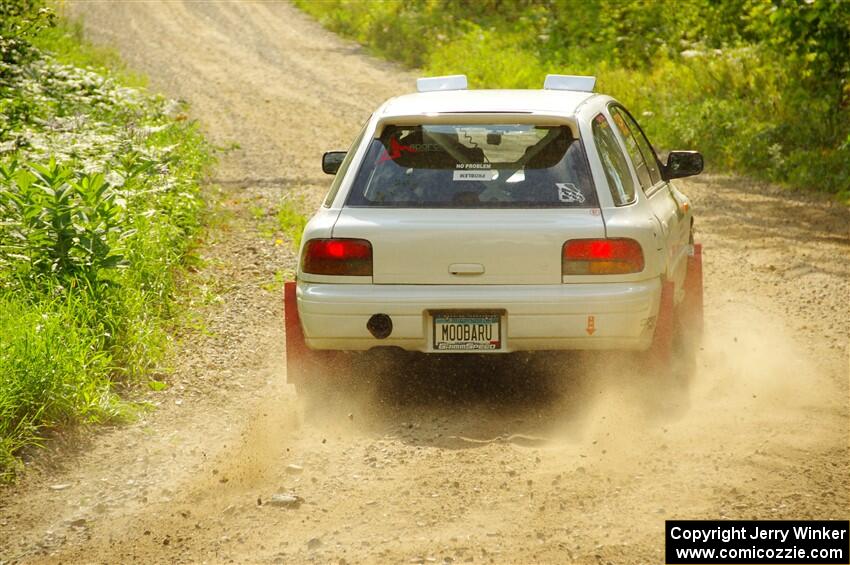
x=468 y=318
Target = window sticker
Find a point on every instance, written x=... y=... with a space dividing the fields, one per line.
x=568 y=192
x=473 y=166
x=621 y=123
x=479 y=175
x=395 y=151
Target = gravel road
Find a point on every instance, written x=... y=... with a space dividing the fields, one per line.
x=556 y=462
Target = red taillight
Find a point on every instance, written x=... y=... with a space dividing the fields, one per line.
x=351 y=257
x=601 y=257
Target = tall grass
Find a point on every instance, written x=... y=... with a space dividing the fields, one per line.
x=54 y=369
x=99 y=204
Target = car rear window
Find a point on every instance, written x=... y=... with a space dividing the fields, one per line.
x=474 y=166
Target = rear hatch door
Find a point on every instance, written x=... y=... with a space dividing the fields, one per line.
x=480 y=246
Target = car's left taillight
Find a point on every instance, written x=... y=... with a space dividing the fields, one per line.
x=337 y=256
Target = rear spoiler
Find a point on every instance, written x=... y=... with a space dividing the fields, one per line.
x=569 y=82
x=552 y=82
x=450 y=82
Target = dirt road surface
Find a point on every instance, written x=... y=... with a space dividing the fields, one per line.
x=571 y=462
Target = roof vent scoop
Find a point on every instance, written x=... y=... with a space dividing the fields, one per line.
x=450 y=82
x=569 y=82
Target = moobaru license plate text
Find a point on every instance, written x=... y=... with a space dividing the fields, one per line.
x=466 y=332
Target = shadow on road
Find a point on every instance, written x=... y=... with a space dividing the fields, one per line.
x=469 y=401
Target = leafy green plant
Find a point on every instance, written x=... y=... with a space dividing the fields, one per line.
x=157 y=386
x=62 y=224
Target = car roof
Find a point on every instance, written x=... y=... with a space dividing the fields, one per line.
x=553 y=102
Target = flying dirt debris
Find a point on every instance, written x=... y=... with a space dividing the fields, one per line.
x=544 y=458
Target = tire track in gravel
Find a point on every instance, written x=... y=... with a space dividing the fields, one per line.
x=564 y=460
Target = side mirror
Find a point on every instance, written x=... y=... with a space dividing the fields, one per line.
x=331 y=161
x=683 y=164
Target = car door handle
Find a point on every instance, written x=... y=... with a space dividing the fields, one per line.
x=466 y=269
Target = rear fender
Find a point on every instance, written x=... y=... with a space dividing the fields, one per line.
x=637 y=222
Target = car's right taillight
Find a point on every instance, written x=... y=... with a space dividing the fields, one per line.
x=337 y=256
x=615 y=256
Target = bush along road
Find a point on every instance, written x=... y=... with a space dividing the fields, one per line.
x=99 y=201
x=577 y=463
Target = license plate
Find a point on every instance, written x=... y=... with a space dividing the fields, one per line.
x=467 y=331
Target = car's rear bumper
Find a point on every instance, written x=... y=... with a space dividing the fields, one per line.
x=537 y=317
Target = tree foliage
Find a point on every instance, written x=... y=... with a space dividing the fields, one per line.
x=759 y=85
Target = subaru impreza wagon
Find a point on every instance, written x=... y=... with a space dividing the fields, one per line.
x=496 y=221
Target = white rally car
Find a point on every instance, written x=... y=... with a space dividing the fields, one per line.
x=496 y=221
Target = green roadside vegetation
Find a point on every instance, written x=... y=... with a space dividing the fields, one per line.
x=99 y=201
x=291 y=221
x=761 y=87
